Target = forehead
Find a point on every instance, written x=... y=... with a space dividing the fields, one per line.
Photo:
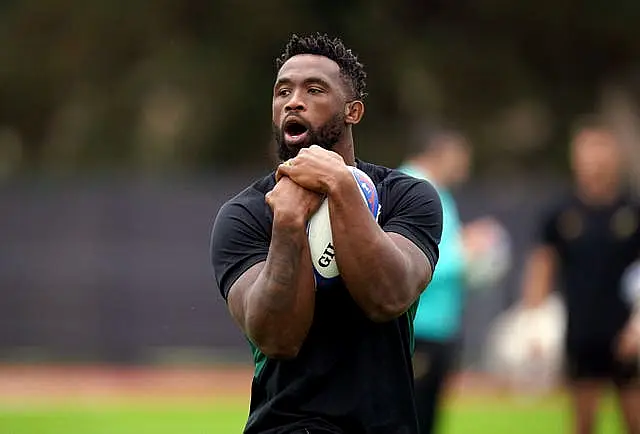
x=304 y=66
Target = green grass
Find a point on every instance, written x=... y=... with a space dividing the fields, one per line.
x=129 y=419
x=198 y=417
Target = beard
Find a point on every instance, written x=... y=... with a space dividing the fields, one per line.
x=325 y=136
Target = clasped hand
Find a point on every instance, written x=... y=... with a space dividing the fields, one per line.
x=314 y=168
x=303 y=182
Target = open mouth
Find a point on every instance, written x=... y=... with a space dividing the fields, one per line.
x=294 y=131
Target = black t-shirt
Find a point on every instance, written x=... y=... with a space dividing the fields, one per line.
x=594 y=246
x=351 y=375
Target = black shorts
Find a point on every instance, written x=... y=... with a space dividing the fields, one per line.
x=598 y=361
x=432 y=358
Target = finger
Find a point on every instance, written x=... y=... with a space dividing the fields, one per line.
x=320 y=152
x=316 y=148
x=282 y=171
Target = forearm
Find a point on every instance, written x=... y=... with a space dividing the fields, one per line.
x=535 y=293
x=373 y=268
x=280 y=305
x=538 y=278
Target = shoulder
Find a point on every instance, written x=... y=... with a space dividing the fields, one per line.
x=410 y=207
x=247 y=208
x=395 y=183
x=251 y=198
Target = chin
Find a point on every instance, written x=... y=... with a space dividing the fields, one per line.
x=294 y=149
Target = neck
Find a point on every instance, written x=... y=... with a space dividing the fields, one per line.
x=600 y=194
x=345 y=148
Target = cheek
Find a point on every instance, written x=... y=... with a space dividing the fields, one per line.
x=325 y=113
x=276 y=112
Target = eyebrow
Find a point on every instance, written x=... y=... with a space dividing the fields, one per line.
x=309 y=80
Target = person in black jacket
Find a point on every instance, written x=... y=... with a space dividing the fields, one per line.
x=588 y=239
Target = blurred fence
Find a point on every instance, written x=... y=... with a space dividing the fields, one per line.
x=117 y=270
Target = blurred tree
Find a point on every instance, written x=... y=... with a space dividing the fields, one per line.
x=187 y=85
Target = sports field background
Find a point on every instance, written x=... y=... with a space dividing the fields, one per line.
x=107 y=400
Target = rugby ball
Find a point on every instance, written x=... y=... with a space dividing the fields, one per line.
x=323 y=254
x=525 y=347
x=630 y=288
x=631 y=285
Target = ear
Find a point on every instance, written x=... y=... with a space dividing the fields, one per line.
x=353 y=112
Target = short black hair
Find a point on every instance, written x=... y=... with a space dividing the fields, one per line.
x=588 y=121
x=334 y=49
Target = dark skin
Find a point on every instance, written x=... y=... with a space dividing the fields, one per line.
x=385 y=273
x=274 y=301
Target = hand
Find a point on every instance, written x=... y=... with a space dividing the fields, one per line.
x=628 y=344
x=291 y=201
x=315 y=169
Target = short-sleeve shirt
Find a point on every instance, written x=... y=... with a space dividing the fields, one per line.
x=594 y=245
x=439 y=316
x=351 y=375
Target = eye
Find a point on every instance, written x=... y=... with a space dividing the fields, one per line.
x=283 y=92
x=314 y=90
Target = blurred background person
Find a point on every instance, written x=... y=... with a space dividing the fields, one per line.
x=587 y=240
x=443 y=157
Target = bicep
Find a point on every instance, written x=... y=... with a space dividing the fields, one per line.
x=239 y=241
x=418 y=267
x=544 y=257
x=415 y=227
x=238 y=294
x=417 y=217
x=542 y=264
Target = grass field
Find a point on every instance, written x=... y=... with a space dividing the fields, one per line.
x=197 y=402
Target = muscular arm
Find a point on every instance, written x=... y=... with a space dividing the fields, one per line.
x=384 y=272
x=538 y=276
x=541 y=265
x=273 y=301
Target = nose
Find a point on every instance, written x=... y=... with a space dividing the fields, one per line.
x=295 y=103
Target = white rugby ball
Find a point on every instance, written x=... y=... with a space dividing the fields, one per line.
x=323 y=255
x=321 y=243
x=525 y=347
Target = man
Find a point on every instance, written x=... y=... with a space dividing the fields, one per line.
x=588 y=240
x=443 y=157
x=335 y=360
